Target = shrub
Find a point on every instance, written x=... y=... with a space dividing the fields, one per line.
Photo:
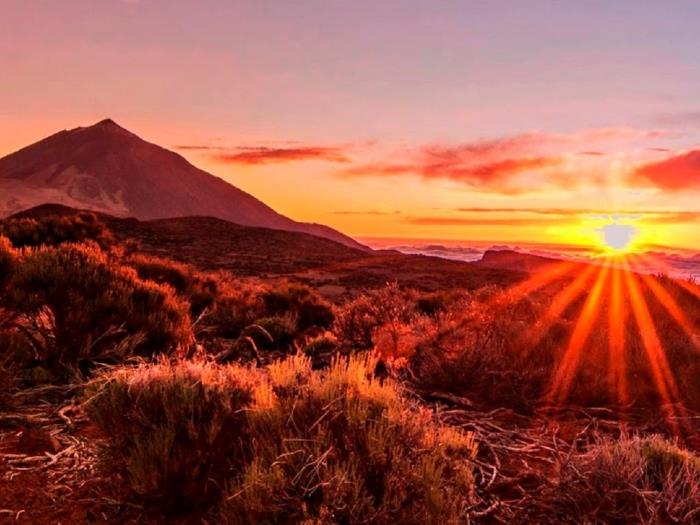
x=200 y=291
x=309 y=308
x=435 y=303
x=177 y=429
x=337 y=446
x=281 y=329
x=321 y=350
x=7 y=382
x=235 y=308
x=358 y=319
x=53 y=230
x=320 y=345
x=289 y=444
x=479 y=348
x=640 y=480
x=79 y=303
x=8 y=261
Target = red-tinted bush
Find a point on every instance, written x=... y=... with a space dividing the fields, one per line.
x=76 y=303
x=53 y=230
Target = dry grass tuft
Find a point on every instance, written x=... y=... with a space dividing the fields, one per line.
x=178 y=429
x=290 y=443
x=630 y=480
x=342 y=447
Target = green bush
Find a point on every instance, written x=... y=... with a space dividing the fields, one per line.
x=77 y=303
x=178 y=429
x=289 y=444
x=53 y=230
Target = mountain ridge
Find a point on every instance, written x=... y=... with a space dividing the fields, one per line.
x=107 y=168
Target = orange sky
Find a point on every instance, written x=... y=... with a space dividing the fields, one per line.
x=462 y=121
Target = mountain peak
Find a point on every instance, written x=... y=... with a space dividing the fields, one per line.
x=105 y=167
x=108 y=122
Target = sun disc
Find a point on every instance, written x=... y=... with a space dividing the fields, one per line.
x=618 y=237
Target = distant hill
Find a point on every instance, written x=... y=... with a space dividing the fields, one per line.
x=106 y=168
x=512 y=260
x=215 y=244
x=334 y=269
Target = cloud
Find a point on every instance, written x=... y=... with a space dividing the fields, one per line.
x=269 y=154
x=679 y=172
x=364 y=212
x=592 y=153
x=193 y=147
x=266 y=155
x=478 y=221
x=510 y=165
x=488 y=164
x=552 y=216
x=498 y=175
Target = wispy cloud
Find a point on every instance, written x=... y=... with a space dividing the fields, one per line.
x=675 y=173
x=364 y=212
x=510 y=165
x=194 y=147
x=267 y=155
x=550 y=216
x=478 y=221
x=252 y=155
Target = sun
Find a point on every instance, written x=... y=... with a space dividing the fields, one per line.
x=618 y=237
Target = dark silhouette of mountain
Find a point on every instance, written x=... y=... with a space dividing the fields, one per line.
x=512 y=260
x=107 y=168
x=215 y=244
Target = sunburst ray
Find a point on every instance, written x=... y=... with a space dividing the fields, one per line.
x=570 y=361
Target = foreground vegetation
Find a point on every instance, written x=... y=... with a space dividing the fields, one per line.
x=241 y=401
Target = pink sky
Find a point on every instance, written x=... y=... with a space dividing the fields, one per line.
x=401 y=119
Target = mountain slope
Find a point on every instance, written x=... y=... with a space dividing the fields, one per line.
x=215 y=244
x=106 y=168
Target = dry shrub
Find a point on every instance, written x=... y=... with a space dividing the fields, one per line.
x=53 y=230
x=630 y=480
x=478 y=348
x=301 y=301
x=178 y=429
x=436 y=303
x=201 y=291
x=76 y=304
x=237 y=306
x=7 y=381
x=338 y=446
x=321 y=349
x=331 y=446
x=281 y=329
x=358 y=320
x=8 y=261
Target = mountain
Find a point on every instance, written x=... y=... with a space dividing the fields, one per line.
x=512 y=260
x=106 y=168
